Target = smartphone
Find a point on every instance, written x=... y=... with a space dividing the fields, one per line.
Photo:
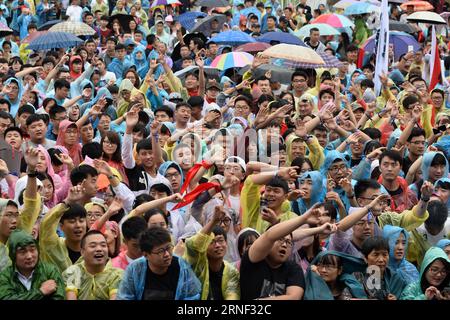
x=263 y=205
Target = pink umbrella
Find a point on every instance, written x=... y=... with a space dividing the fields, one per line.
x=252 y=47
x=334 y=20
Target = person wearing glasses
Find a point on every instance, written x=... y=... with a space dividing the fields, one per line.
x=433 y=283
x=206 y=251
x=158 y=275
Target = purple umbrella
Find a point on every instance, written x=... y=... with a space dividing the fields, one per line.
x=281 y=37
x=399 y=40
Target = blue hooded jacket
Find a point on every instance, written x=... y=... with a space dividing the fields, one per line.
x=428 y=158
x=132 y=286
x=404 y=268
x=142 y=65
x=443 y=243
x=110 y=110
x=317 y=192
x=169 y=164
x=119 y=67
x=15 y=104
x=445 y=180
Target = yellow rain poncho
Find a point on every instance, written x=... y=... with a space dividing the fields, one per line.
x=315 y=154
x=196 y=256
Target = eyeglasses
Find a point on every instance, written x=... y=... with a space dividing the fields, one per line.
x=162 y=251
x=173 y=175
x=109 y=142
x=94 y=215
x=436 y=271
x=335 y=169
x=226 y=221
x=218 y=241
x=327 y=267
x=288 y=242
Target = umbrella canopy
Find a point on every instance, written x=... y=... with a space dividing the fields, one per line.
x=445 y=15
x=187 y=39
x=157 y=3
x=426 y=17
x=418 y=5
x=189 y=19
x=395 y=25
x=76 y=28
x=212 y=3
x=232 y=38
x=232 y=60
x=360 y=8
x=252 y=47
x=48 y=25
x=294 y=53
x=400 y=41
x=330 y=62
x=204 y=25
x=334 y=20
x=344 y=4
x=324 y=29
x=5 y=30
x=33 y=36
x=281 y=37
x=209 y=71
x=278 y=74
x=54 y=40
x=123 y=19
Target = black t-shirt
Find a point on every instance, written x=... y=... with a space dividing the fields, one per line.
x=407 y=163
x=395 y=192
x=259 y=280
x=162 y=287
x=73 y=255
x=355 y=162
x=215 y=284
x=138 y=179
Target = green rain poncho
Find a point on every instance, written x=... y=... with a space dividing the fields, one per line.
x=10 y=286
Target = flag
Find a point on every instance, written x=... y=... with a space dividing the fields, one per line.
x=382 y=46
x=435 y=61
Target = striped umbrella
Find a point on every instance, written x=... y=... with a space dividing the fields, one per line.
x=76 y=28
x=232 y=60
x=334 y=20
x=157 y=3
x=330 y=62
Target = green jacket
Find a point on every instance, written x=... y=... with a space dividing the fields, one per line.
x=196 y=256
x=414 y=290
x=10 y=286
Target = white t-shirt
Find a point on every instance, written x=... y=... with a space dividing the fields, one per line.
x=434 y=239
x=74 y=12
x=108 y=77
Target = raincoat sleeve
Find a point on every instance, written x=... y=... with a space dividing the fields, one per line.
x=169 y=149
x=127 y=151
x=406 y=220
x=189 y=286
x=129 y=288
x=413 y=292
x=30 y=213
x=175 y=84
x=72 y=277
x=250 y=196
x=8 y=289
x=316 y=155
x=362 y=170
x=426 y=121
x=230 y=283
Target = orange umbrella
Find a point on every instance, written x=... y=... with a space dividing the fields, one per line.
x=418 y=5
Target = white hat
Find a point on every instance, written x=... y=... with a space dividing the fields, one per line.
x=160 y=180
x=237 y=160
x=212 y=107
x=21 y=185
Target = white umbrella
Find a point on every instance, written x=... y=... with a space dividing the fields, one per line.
x=426 y=17
x=324 y=29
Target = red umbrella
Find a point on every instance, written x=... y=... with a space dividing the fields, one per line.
x=33 y=36
x=253 y=47
x=418 y=5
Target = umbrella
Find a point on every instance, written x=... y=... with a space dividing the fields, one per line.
x=212 y=3
x=54 y=40
x=76 y=28
x=232 y=60
x=188 y=19
x=418 y=5
x=397 y=1
x=294 y=53
x=330 y=62
x=209 y=71
x=426 y=17
x=278 y=74
x=5 y=30
x=400 y=41
x=344 y=4
x=395 y=25
x=204 y=25
x=33 y=36
x=157 y=3
x=324 y=29
x=252 y=47
x=232 y=38
x=360 y=8
x=334 y=20
x=187 y=39
x=124 y=21
x=281 y=37
x=245 y=12
x=48 y=25
x=445 y=15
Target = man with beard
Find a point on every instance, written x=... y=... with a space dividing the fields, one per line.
x=266 y=272
x=71 y=217
x=94 y=278
x=205 y=252
x=158 y=275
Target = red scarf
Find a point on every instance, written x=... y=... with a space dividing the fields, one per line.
x=404 y=185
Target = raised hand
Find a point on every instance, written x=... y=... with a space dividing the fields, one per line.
x=295 y=194
x=65 y=159
x=96 y=110
x=288 y=173
x=155 y=127
x=102 y=167
x=328 y=228
x=177 y=197
x=132 y=119
x=4 y=171
x=219 y=213
x=75 y=194
x=300 y=129
x=375 y=154
x=417 y=113
x=427 y=189
x=230 y=181
x=115 y=206
x=313 y=214
x=269 y=215
x=32 y=157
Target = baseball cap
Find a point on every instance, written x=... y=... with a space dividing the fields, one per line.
x=212 y=107
x=26 y=108
x=161 y=181
x=213 y=85
x=237 y=160
x=175 y=97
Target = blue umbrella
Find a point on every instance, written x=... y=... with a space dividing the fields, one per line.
x=245 y=12
x=400 y=41
x=48 y=25
x=360 y=8
x=281 y=37
x=187 y=20
x=54 y=40
x=232 y=38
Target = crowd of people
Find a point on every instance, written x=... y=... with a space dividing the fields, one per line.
x=131 y=170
